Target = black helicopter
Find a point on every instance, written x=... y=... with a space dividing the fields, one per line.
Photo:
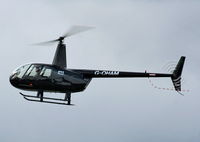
x=56 y=77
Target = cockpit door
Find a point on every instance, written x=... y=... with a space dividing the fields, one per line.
x=39 y=76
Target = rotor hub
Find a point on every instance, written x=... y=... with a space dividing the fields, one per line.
x=60 y=39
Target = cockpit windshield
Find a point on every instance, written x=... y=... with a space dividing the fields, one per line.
x=38 y=70
x=19 y=72
x=33 y=70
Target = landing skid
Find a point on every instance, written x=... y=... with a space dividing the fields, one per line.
x=45 y=99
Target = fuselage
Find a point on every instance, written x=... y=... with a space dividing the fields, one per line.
x=49 y=78
x=52 y=78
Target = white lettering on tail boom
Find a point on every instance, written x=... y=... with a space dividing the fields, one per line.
x=106 y=73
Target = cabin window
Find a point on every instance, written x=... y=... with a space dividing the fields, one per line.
x=46 y=72
x=34 y=70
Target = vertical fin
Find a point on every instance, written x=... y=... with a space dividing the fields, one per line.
x=176 y=76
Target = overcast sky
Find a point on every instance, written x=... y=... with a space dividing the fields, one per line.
x=135 y=35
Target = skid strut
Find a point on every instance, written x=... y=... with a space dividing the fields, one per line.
x=40 y=98
x=68 y=98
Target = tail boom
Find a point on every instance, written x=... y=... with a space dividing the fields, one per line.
x=119 y=74
x=175 y=76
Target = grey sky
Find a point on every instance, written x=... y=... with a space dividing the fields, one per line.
x=130 y=36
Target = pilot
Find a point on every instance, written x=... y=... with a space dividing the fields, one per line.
x=38 y=70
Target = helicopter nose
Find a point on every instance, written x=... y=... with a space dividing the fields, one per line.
x=13 y=80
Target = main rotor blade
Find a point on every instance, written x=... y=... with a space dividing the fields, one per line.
x=72 y=31
x=76 y=29
x=45 y=42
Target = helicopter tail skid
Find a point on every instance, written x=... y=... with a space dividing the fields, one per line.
x=40 y=98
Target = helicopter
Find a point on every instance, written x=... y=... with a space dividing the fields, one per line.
x=58 y=78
